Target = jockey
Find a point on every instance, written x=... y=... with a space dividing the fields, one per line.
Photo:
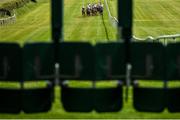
x=95 y=5
x=83 y=10
x=101 y=5
x=89 y=6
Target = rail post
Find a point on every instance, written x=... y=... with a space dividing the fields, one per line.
x=57 y=32
x=125 y=18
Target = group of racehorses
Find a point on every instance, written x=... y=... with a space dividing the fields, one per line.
x=93 y=9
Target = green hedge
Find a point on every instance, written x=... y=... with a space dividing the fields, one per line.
x=10 y=6
x=13 y=4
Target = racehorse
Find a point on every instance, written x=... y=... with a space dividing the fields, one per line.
x=100 y=8
x=83 y=11
x=94 y=9
x=88 y=10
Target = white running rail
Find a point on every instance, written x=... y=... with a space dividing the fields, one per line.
x=8 y=20
x=112 y=19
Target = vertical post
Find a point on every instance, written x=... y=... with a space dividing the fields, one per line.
x=57 y=31
x=125 y=12
x=125 y=21
x=57 y=24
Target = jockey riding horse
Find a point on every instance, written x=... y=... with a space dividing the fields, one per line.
x=100 y=8
x=93 y=9
x=83 y=11
x=88 y=10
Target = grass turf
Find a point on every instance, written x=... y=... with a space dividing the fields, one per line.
x=33 y=25
x=153 y=18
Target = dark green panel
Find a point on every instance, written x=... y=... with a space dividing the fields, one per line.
x=38 y=61
x=108 y=99
x=37 y=100
x=77 y=99
x=10 y=62
x=149 y=99
x=173 y=99
x=10 y=100
x=110 y=61
x=88 y=99
x=38 y=64
x=76 y=61
x=147 y=61
x=173 y=61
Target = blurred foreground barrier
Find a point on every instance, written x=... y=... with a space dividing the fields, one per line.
x=148 y=64
x=77 y=62
x=29 y=100
x=172 y=74
x=10 y=71
x=38 y=65
x=84 y=62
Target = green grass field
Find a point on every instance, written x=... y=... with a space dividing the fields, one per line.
x=154 y=18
